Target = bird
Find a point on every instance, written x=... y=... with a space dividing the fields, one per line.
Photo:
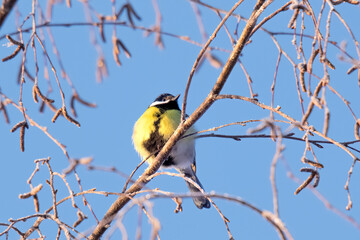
x=154 y=128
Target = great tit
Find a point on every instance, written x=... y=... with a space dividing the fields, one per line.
x=154 y=128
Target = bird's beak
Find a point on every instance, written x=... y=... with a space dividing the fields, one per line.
x=176 y=97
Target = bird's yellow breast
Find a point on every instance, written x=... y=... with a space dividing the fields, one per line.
x=170 y=120
x=154 y=127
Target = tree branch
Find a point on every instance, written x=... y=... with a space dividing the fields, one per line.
x=5 y=9
x=183 y=127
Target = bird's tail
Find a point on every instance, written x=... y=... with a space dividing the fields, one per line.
x=200 y=201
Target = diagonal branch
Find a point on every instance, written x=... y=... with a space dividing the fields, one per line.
x=184 y=126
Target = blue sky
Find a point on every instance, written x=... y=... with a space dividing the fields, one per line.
x=239 y=168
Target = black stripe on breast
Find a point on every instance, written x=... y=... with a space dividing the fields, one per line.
x=156 y=141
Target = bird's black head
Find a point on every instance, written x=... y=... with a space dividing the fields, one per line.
x=166 y=101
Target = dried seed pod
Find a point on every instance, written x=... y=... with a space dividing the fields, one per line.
x=307 y=170
x=11 y=56
x=311 y=104
x=38 y=92
x=122 y=45
x=70 y=119
x=354 y=2
x=13 y=41
x=22 y=138
x=34 y=95
x=19 y=124
x=57 y=114
x=356 y=130
x=312 y=163
x=316 y=180
x=101 y=28
x=72 y=105
x=42 y=107
x=311 y=60
x=326 y=121
x=329 y=64
x=76 y=96
x=302 y=68
x=305 y=183
x=353 y=68
x=82 y=101
x=81 y=217
x=116 y=51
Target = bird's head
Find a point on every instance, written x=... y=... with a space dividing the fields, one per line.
x=166 y=101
